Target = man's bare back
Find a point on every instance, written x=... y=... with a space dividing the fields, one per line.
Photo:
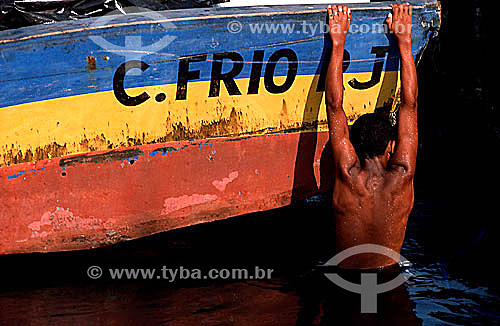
x=373 y=192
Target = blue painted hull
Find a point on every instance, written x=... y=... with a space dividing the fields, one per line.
x=49 y=61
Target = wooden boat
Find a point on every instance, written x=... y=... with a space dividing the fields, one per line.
x=101 y=144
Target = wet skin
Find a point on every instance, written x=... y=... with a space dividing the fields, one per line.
x=372 y=198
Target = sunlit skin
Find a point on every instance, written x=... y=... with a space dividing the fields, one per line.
x=372 y=198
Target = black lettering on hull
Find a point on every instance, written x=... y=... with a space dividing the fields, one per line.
x=257 y=63
x=184 y=75
x=228 y=77
x=291 y=56
x=119 y=87
x=380 y=52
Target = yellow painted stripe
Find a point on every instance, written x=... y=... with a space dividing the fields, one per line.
x=97 y=121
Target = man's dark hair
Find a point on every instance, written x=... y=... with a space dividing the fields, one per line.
x=370 y=135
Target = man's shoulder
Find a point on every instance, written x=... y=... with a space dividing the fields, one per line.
x=348 y=173
x=391 y=178
x=400 y=173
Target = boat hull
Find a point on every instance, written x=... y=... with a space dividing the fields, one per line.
x=100 y=145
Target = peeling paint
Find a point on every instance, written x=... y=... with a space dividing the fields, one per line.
x=64 y=219
x=15 y=175
x=221 y=185
x=177 y=203
x=166 y=150
x=12 y=153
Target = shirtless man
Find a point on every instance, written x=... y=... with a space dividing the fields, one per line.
x=373 y=192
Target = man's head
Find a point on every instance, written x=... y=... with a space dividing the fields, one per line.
x=372 y=135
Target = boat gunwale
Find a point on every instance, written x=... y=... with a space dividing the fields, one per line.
x=202 y=14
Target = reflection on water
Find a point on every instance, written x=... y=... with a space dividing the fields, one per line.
x=55 y=290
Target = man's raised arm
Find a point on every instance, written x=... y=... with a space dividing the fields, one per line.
x=344 y=154
x=405 y=155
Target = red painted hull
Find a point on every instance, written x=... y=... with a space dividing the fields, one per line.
x=101 y=198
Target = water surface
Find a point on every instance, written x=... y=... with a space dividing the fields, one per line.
x=54 y=289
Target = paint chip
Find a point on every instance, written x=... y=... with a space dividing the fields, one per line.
x=221 y=185
x=176 y=203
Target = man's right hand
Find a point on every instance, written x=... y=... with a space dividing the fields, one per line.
x=400 y=22
x=339 y=20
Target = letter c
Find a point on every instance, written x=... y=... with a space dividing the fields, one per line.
x=118 y=83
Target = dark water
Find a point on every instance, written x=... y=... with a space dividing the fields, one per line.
x=54 y=289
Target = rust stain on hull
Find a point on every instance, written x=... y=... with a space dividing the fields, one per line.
x=234 y=125
x=12 y=156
